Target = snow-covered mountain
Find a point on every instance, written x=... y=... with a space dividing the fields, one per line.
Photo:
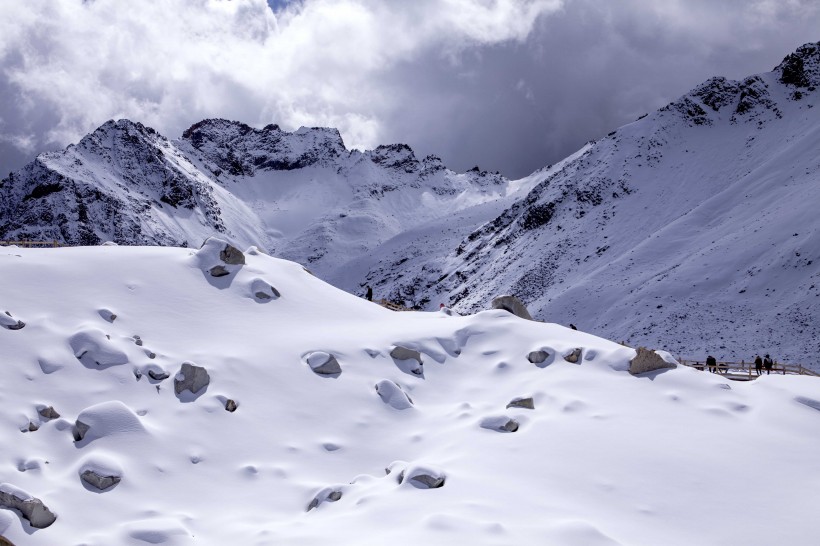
x=691 y=229
x=300 y=195
x=177 y=397
x=694 y=229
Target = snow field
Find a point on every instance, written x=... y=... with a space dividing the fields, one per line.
x=394 y=448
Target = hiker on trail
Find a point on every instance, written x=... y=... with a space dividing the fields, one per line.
x=369 y=293
x=758 y=365
x=767 y=363
x=711 y=363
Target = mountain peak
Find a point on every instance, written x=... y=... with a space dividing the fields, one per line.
x=801 y=68
x=239 y=149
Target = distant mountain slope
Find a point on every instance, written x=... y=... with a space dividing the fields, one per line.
x=301 y=195
x=694 y=228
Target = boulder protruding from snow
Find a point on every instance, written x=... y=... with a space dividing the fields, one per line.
x=423 y=477
x=392 y=395
x=500 y=423
x=10 y=323
x=263 y=291
x=573 y=356
x=328 y=494
x=513 y=305
x=48 y=412
x=323 y=363
x=230 y=405
x=106 y=419
x=31 y=508
x=526 y=403
x=405 y=355
x=648 y=360
x=101 y=473
x=99 y=481
x=191 y=378
x=538 y=357
x=219 y=258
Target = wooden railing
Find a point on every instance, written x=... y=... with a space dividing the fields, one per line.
x=392 y=306
x=746 y=370
x=32 y=244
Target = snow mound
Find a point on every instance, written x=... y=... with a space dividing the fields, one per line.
x=392 y=395
x=95 y=349
x=112 y=418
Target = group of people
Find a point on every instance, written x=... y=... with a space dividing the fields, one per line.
x=760 y=363
x=765 y=362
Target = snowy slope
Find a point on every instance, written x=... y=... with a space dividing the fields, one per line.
x=693 y=229
x=677 y=457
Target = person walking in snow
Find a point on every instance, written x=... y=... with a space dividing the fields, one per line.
x=369 y=293
x=767 y=363
x=758 y=365
x=711 y=362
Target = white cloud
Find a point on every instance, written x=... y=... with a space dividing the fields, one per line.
x=171 y=63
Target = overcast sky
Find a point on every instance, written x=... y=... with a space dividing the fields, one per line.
x=509 y=85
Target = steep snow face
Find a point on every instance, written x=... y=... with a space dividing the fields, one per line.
x=692 y=229
x=206 y=408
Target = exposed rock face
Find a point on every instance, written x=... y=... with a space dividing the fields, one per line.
x=573 y=356
x=98 y=481
x=647 y=361
x=323 y=363
x=392 y=395
x=512 y=305
x=31 y=508
x=191 y=378
x=526 y=403
x=232 y=255
x=80 y=430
